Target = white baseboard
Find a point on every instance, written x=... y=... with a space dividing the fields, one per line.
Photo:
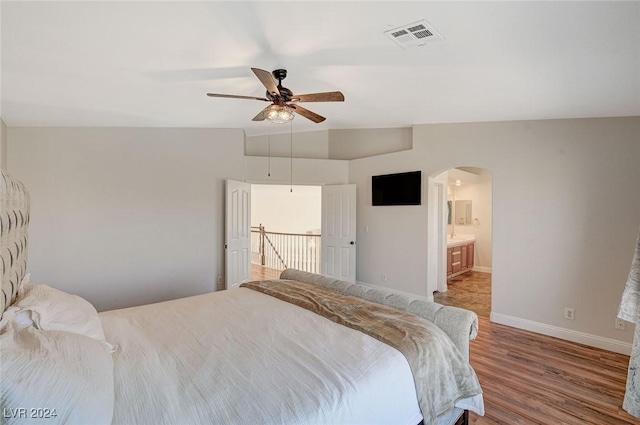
x=481 y=269
x=562 y=333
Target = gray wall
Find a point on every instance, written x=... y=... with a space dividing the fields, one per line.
x=125 y=216
x=566 y=212
x=332 y=144
x=3 y=145
x=122 y=215
x=360 y=143
x=310 y=144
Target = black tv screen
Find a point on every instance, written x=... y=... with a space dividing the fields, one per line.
x=397 y=189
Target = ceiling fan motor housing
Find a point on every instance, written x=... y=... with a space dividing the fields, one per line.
x=281 y=96
x=279 y=74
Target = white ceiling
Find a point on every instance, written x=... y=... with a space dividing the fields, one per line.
x=150 y=64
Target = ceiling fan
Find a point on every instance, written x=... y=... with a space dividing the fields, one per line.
x=283 y=102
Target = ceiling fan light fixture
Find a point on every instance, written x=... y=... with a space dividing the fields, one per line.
x=279 y=114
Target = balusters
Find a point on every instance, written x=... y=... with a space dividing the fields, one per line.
x=279 y=250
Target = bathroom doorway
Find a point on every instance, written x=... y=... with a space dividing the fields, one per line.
x=465 y=252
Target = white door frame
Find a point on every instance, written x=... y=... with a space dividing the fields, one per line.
x=441 y=249
x=437 y=234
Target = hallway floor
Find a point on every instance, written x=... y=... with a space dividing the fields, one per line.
x=471 y=290
x=259 y=272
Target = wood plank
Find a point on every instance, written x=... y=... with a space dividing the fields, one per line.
x=535 y=379
x=529 y=378
x=259 y=272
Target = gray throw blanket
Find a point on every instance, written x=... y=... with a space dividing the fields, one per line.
x=630 y=311
x=441 y=374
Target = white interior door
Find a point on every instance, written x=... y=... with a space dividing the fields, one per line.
x=339 y=231
x=237 y=240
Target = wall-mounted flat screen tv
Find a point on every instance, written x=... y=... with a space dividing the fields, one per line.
x=397 y=189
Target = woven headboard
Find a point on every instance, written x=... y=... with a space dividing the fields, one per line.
x=14 y=220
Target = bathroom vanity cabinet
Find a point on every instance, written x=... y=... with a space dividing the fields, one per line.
x=460 y=258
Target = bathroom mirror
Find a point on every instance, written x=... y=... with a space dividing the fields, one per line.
x=462 y=213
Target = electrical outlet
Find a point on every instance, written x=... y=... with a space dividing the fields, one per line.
x=569 y=313
x=219 y=280
x=383 y=277
x=619 y=324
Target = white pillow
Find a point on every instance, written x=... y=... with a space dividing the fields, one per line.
x=13 y=315
x=53 y=310
x=25 y=282
x=54 y=377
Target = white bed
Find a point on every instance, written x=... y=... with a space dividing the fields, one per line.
x=230 y=357
x=273 y=362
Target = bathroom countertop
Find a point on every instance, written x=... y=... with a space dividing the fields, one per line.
x=458 y=240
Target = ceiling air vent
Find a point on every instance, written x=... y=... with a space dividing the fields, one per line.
x=413 y=35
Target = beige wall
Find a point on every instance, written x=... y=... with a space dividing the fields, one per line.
x=565 y=213
x=125 y=216
x=280 y=208
x=259 y=169
x=311 y=144
x=360 y=143
x=331 y=144
x=120 y=215
x=3 y=145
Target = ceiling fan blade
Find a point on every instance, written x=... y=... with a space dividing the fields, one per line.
x=267 y=79
x=307 y=113
x=233 y=96
x=330 y=96
x=261 y=116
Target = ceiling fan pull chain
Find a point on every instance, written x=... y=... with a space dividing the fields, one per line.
x=269 y=157
x=291 y=155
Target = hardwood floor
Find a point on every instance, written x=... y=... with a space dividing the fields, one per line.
x=529 y=378
x=263 y=273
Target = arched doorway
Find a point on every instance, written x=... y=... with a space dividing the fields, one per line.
x=461 y=238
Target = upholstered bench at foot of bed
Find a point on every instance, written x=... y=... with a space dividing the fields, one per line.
x=459 y=324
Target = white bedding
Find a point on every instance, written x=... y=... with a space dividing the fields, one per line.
x=241 y=357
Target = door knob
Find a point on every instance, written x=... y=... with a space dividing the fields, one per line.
x=352 y=243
